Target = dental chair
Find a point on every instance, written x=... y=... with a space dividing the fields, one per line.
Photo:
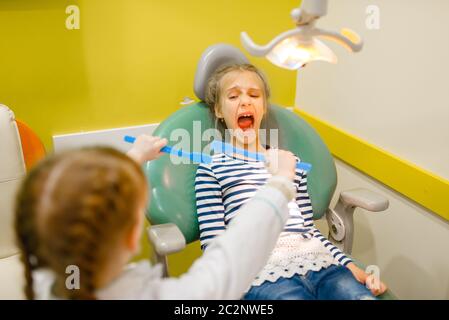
x=172 y=210
x=20 y=149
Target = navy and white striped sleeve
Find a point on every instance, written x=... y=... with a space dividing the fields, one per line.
x=303 y=199
x=335 y=252
x=209 y=205
x=305 y=206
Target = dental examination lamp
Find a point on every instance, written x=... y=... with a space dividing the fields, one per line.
x=294 y=48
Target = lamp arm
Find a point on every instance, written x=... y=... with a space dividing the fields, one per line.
x=260 y=51
x=347 y=38
x=317 y=8
x=309 y=11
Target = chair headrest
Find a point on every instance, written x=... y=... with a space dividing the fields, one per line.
x=212 y=58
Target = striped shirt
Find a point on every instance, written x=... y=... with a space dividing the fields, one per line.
x=223 y=186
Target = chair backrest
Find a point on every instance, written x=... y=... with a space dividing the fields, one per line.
x=12 y=170
x=172 y=185
x=20 y=148
x=32 y=146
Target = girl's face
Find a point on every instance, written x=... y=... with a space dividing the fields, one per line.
x=242 y=104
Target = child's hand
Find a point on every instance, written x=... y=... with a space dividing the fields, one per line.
x=146 y=148
x=376 y=286
x=282 y=163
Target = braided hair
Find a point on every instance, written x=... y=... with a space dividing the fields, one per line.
x=71 y=210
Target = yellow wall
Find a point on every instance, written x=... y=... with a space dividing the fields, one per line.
x=130 y=63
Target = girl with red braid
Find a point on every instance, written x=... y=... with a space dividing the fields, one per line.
x=84 y=210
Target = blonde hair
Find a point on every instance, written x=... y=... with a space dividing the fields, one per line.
x=71 y=209
x=213 y=88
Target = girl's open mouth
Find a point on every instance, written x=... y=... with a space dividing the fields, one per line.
x=245 y=121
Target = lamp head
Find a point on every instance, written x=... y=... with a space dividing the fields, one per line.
x=294 y=48
x=293 y=53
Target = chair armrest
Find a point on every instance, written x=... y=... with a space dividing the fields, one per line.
x=166 y=238
x=340 y=219
x=364 y=199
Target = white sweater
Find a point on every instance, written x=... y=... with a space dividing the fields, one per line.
x=224 y=271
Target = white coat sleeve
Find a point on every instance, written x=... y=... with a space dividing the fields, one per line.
x=232 y=261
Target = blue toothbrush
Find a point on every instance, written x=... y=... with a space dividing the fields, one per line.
x=222 y=147
x=196 y=157
x=218 y=147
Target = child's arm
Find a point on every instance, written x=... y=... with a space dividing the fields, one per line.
x=338 y=255
x=233 y=259
x=209 y=205
x=146 y=148
x=305 y=206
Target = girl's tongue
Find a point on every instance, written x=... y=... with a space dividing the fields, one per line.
x=245 y=122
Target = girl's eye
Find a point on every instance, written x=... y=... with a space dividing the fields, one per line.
x=232 y=97
x=255 y=96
